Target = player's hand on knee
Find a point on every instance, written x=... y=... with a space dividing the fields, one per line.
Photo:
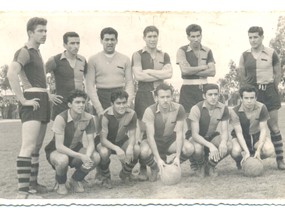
x=121 y=154
x=176 y=161
x=245 y=156
x=86 y=159
x=223 y=149
x=214 y=154
x=32 y=102
x=257 y=154
x=129 y=154
x=55 y=99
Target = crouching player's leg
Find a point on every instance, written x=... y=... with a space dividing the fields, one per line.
x=186 y=152
x=198 y=156
x=132 y=152
x=147 y=159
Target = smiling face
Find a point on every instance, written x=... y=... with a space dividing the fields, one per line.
x=72 y=45
x=39 y=35
x=151 y=39
x=211 y=97
x=77 y=105
x=109 y=43
x=120 y=106
x=255 y=40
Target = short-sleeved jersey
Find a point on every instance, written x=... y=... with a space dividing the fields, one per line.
x=208 y=120
x=66 y=77
x=118 y=128
x=164 y=126
x=143 y=58
x=186 y=54
x=249 y=121
x=71 y=129
x=259 y=70
x=32 y=73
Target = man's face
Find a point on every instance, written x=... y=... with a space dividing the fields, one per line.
x=164 y=98
x=255 y=40
x=120 y=106
x=195 y=39
x=211 y=97
x=39 y=35
x=72 y=45
x=248 y=99
x=151 y=39
x=109 y=43
x=78 y=105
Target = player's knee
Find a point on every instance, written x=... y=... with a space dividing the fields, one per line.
x=96 y=158
x=188 y=148
x=145 y=150
x=137 y=150
x=104 y=153
x=235 y=151
x=60 y=161
x=268 y=150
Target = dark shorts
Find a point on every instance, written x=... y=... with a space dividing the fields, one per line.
x=270 y=97
x=42 y=114
x=250 y=140
x=190 y=95
x=163 y=145
x=142 y=101
x=104 y=96
x=51 y=148
x=119 y=143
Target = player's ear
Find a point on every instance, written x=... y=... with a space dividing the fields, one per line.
x=69 y=104
x=204 y=96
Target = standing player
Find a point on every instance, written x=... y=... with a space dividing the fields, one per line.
x=249 y=120
x=107 y=72
x=210 y=145
x=164 y=122
x=150 y=67
x=260 y=67
x=118 y=136
x=68 y=69
x=196 y=63
x=66 y=148
x=28 y=68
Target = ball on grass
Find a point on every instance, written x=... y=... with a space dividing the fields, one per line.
x=252 y=167
x=170 y=174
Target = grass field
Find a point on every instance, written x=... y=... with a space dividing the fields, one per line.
x=231 y=184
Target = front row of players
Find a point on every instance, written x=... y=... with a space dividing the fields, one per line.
x=164 y=121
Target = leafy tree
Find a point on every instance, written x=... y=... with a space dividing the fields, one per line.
x=4 y=83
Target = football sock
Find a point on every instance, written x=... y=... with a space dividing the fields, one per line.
x=277 y=141
x=104 y=169
x=61 y=179
x=150 y=162
x=34 y=169
x=23 y=173
x=128 y=167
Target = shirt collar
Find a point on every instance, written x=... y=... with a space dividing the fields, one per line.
x=171 y=109
x=219 y=105
x=82 y=118
x=241 y=108
x=63 y=56
x=264 y=50
x=145 y=49
x=110 y=111
x=31 y=46
x=190 y=49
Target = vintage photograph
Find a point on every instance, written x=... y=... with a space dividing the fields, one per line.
x=142 y=107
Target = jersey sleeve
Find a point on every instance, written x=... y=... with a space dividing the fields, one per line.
x=264 y=115
x=90 y=129
x=22 y=57
x=210 y=57
x=58 y=125
x=133 y=122
x=166 y=59
x=225 y=115
x=180 y=57
x=181 y=113
x=136 y=60
x=148 y=116
x=195 y=114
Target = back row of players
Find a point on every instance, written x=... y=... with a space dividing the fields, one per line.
x=157 y=126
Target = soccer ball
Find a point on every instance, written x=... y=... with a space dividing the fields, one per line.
x=252 y=167
x=170 y=174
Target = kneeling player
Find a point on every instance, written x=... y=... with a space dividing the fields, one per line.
x=164 y=122
x=67 y=148
x=118 y=136
x=249 y=120
x=210 y=145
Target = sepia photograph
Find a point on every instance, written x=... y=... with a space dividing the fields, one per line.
x=142 y=105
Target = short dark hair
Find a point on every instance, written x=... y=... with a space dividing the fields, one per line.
x=247 y=88
x=210 y=86
x=193 y=28
x=150 y=28
x=256 y=29
x=34 y=22
x=76 y=93
x=163 y=86
x=108 y=30
x=69 y=34
x=119 y=94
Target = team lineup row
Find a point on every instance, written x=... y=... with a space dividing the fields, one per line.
x=157 y=126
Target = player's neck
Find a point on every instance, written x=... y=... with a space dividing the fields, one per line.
x=70 y=56
x=34 y=44
x=257 y=49
x=195 y=47
x=75 y=116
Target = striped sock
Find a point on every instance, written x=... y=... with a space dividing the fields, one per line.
x=142 y=164
x=183 y=158
x=128 y=167
x=34 y=169
x=150 y=162
x=277 y=141
x=23 y=173
x=105 y=170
